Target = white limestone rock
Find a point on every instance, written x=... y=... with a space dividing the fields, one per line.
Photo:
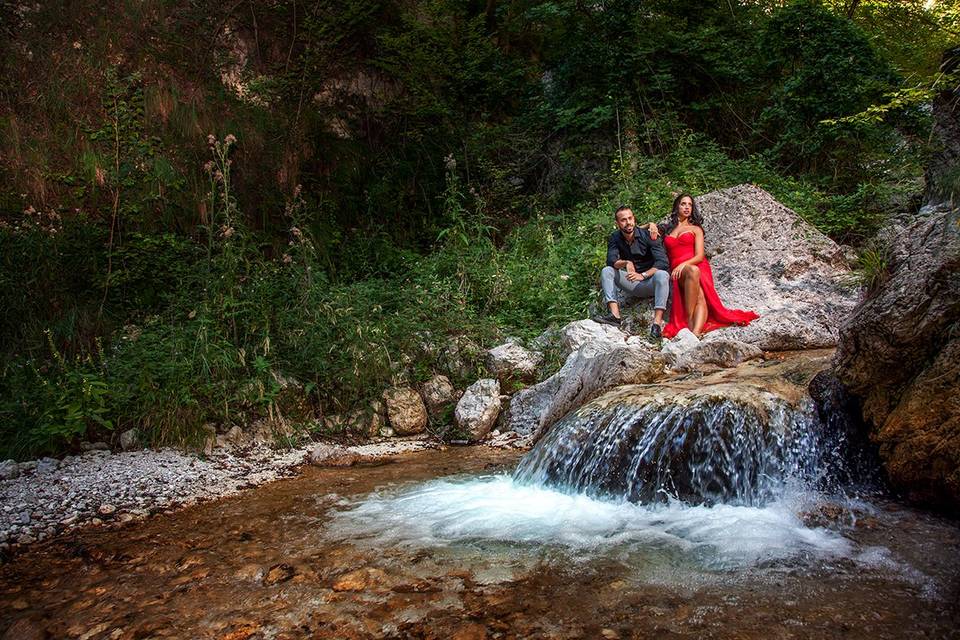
x=478 y=408
x=512 y=360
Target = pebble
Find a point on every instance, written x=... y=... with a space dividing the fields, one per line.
x=128 y=485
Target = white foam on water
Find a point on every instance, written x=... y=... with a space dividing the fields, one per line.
x=448 y=512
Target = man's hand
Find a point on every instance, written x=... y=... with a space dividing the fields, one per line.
x=633 y=276
x=654 y=231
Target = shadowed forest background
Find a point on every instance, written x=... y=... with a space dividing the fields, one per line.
x=200 y=203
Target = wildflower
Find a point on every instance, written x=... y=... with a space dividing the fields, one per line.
x=564 y=277
x=30 y=210
x=100 y=176
x=208 y=166
x=450 y=163
x=211 y=139
x=218 y=176
x=77 y=45
x=226 y=231
x=296 y=233
x=287 y=258
x=297 y=190
x=230 y=139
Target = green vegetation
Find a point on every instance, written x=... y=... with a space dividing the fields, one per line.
x=198 y=203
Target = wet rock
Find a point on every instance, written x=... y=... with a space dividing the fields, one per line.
x=405 y=410
x=278 y=573
x=250 y=572
x=722 y=351
x=130 y=440
x=106 y=509
x=9 y=469
x=899 y=353
x=360 y=580
x=477 y=410
x=470 y=631
x=331 y=455
x=24 y=629
x=709 y=439
x=592 y=369
x=438 y=394
x=511 y=360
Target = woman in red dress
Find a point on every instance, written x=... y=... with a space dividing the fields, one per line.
x=695 y=303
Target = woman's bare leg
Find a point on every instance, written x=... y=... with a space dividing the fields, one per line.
x=690 y=280
x=699 y=315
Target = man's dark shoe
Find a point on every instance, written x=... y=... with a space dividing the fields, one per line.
x=655 y=332
x=607 y=318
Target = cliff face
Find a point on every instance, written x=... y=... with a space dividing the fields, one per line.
x=900 y=353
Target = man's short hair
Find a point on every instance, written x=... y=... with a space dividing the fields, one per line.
x=622 y=207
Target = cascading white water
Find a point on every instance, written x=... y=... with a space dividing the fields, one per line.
x=713 y=479
x=701 y=450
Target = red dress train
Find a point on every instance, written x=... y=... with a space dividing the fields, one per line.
x=683 y=248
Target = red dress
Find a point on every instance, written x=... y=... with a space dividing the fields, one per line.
x=683 y=248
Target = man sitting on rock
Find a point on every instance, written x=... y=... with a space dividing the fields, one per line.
x=637 y=266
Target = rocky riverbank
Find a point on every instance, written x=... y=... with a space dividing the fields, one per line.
x=44 y=498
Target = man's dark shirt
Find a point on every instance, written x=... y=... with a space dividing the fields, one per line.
x=644 y=252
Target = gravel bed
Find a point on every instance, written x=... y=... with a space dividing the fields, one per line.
x=48 y=497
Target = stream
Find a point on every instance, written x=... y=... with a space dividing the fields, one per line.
x=449 y=544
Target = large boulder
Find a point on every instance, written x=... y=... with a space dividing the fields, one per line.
x=512 y=360
x=767 y=259
x=576 y=334
x=478 y=408
x=405 y=410
x=590 y=370
x=900 y=353
x=438 y=394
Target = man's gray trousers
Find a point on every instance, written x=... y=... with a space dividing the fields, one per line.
x=656 y=286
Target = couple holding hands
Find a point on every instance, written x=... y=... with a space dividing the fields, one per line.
x=641 y=265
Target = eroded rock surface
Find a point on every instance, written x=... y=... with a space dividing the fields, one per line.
x=900 y=353
x=593 y=368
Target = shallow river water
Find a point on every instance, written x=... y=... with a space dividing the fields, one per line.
x=443 y=544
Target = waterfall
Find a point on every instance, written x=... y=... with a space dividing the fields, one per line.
x=725 y=446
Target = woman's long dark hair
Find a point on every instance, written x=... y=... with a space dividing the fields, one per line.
x=695 y=217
